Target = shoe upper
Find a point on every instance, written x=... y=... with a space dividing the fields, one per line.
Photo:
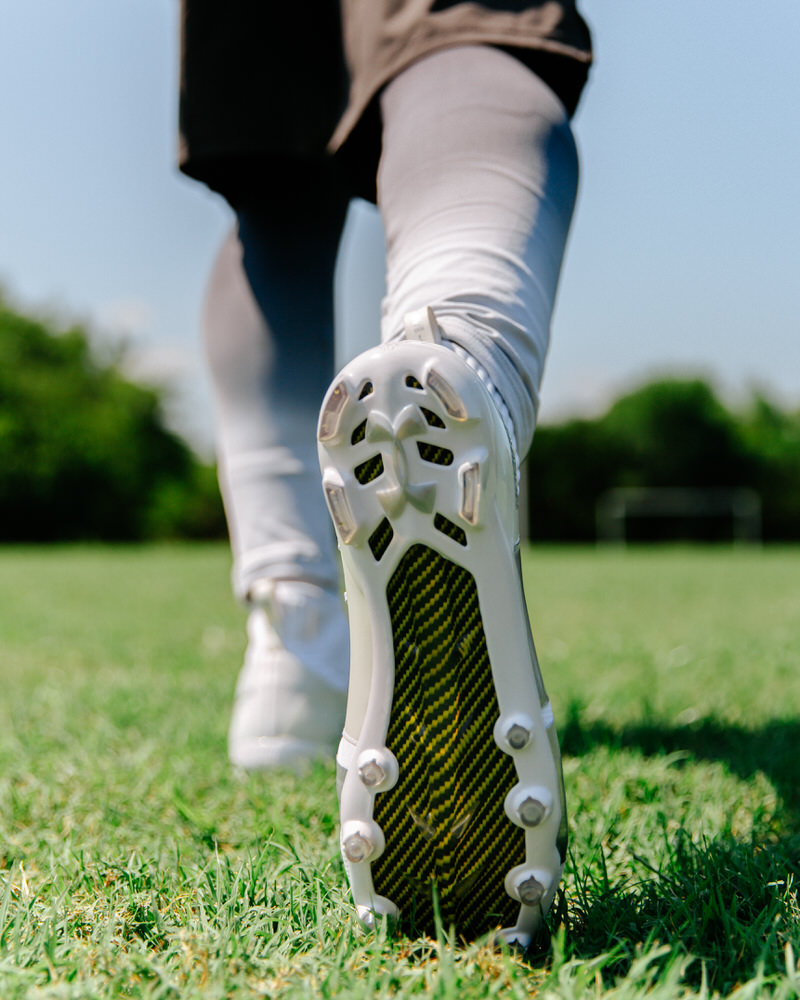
x=291 y=691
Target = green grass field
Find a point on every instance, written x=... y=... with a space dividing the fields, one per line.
x=134 y=863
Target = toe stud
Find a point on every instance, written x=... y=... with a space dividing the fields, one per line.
x=529 y=885
x=514 y=732
x=530 y=891
x=469 y=483
x=377 y=769
x=446 y=395
x=518 y=736
x=358 y=848
x=529 y=806
x=531 y=811
x=361 y=841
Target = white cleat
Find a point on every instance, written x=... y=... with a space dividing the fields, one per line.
x=291 y=693
x=449 y=770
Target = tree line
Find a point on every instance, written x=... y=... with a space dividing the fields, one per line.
x=85 y=453
x=669 y=433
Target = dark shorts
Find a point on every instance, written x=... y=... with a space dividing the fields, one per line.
x=289 y=90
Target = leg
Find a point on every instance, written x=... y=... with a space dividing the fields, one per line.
x=269 y=339
x=450 y=760
x=477 y=185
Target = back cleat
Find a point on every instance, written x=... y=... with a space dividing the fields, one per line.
x=339 y=508
x=450 y=777
x=331 y=415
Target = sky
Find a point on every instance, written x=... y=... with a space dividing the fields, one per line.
x=682 y=259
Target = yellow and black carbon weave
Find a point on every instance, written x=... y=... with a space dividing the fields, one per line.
x=444 y=822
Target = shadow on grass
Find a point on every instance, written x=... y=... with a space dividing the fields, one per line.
x=731 y=904
x=771 y=749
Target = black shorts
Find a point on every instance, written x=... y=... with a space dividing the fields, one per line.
x=271 y=89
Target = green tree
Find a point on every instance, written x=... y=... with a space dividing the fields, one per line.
x=669 y=433
x=84 y=452
x=773 y=438
x=569 y=466
x=675 y=432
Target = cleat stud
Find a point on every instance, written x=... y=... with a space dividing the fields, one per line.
x=531 y=811
x=518 y=736
x=371 y=773
x=529 y=885
x=379 y=908
x=469 y=478
x=530 y=891
x=361 y=841
x=446 y=395
x=366 y=916
x=529 y=806
x=357 y=848
x=422 y=496
x=513 y=733
x=378 y=428
x=340 y=511
x=331 y=415
x=409 y=423
x=377 y=769
x=392 y=499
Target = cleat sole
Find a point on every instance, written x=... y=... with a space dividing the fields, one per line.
x=451 y=799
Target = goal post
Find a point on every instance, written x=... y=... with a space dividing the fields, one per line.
x=615 y=508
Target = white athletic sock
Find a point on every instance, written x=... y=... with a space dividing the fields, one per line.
x=476 y=187
x=269 y=381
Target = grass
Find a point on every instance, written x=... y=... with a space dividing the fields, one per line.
x=133 y=863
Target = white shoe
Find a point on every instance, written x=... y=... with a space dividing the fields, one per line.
x=291 y=693
x=450 y=773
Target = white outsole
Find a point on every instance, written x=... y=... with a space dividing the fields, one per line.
x=476 y=493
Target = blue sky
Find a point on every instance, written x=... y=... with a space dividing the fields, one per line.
x=683 y=255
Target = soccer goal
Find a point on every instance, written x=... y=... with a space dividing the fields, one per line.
x=678 y=514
